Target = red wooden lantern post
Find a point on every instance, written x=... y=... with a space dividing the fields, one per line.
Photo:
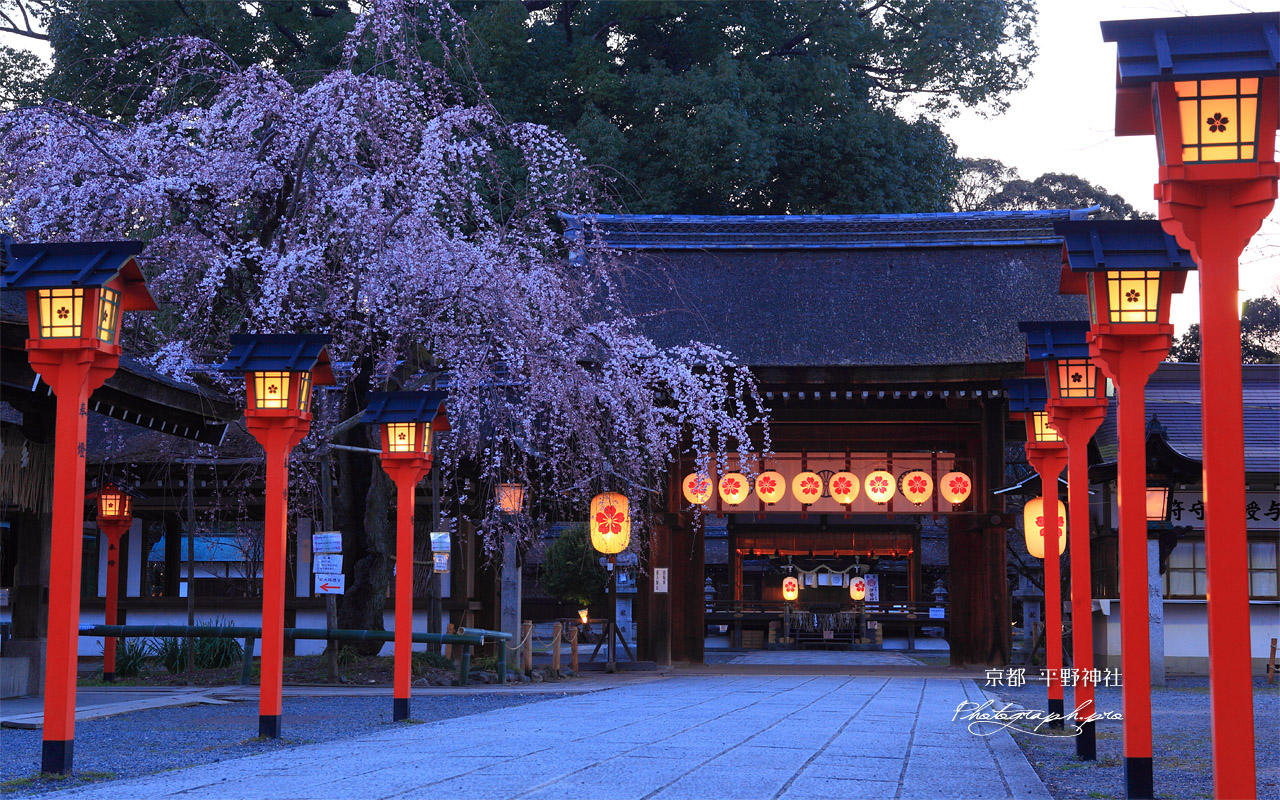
x=115 y=517
x=1130 y=270
x=279 y=372
x=1047 y=455
x=75 y=296
x=1209 y=89
x=1077 y=405
x=407 y=420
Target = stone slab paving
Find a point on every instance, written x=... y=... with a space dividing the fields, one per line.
x=679 y=738
x=841 y=658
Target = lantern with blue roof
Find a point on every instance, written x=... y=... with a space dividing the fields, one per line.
x=76 y=293
x=407 y=421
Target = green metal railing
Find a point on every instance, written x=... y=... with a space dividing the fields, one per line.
x=501 y=637
x=468 y=638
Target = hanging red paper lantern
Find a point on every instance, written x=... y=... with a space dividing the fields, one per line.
x=844 y=487
x=734 y=488
x=917 y=486
x=880 y=486
x=770 y=486
x=696 y=487
x=955 y=487
x=790 y=588
x=807 y=487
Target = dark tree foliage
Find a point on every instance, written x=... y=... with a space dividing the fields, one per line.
x=96 y=67
x=571 y=570
x=986 y=184
x=1259 y=334
x=755 y=107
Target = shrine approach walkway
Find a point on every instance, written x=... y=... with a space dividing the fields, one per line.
x=715 y=737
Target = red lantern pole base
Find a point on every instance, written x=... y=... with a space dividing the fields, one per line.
x=73 y=373
x=114 y=531
x=1077 y=425
x=405 y=470
x=1129 y=360
x=1216 y=222
x=278 y=434
x=1048 y=462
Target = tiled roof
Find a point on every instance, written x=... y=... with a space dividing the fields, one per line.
x=923 y=290
x=1173 y=395
x=792 y=232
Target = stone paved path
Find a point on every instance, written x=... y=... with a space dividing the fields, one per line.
x=842 y=658
x=787 y=736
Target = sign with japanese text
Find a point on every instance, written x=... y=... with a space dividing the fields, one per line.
x=326 y=562
x=439 y=542
x=873 y=587
x=660 y=580
x=330 y=583
x=1261 y=510
x=440 y=562
x=326 y=542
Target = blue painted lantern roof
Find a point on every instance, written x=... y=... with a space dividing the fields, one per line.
x=1027 y=394
x=1195 y=48
x=408 y=407
x=1053 y=340
x=282 y=352
x=77 y=265
x=1131 y=244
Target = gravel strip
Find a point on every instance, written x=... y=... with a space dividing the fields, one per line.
x=1181 y=739
x=144 y=742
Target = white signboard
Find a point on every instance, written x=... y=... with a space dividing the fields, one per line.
x=440 y=562
x=439 y=542
x=326 y=542
x=873 y=587
x=660 y=580
x=326 y=562
x=327 y=583
x=937 y=613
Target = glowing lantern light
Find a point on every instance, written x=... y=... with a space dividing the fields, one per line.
x=610 y=523
x=880 y=486
x=696 y=487
x=734 y=488
x=770 y=486
x=807 y=487
x=955 y=487
x=790 y=588
x=917 y=486
x=844 y=487
x=510 y=497
x=1033 y=526
x=858 y=588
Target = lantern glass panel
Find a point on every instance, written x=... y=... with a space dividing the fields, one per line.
x=1219 y=119
x=402 y=437
x=510 y=497
x=1077 y=377
x=113 y=503
x=1157 y=504
x=1133 y=296
x=1043 y=432
x=304 y=392
x=108 y=314
x=61 y=311
x=271 y=389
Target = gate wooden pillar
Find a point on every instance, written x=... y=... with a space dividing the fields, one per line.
x=688 y=557
x=976 y=556
x=653 y=612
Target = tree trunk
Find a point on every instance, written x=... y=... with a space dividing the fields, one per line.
x=363 y=514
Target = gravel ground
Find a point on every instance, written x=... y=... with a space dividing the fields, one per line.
x=1180 y=735
x=128 y=745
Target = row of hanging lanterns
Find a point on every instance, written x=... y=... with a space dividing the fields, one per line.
x=880 y=485
x=791 y=588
